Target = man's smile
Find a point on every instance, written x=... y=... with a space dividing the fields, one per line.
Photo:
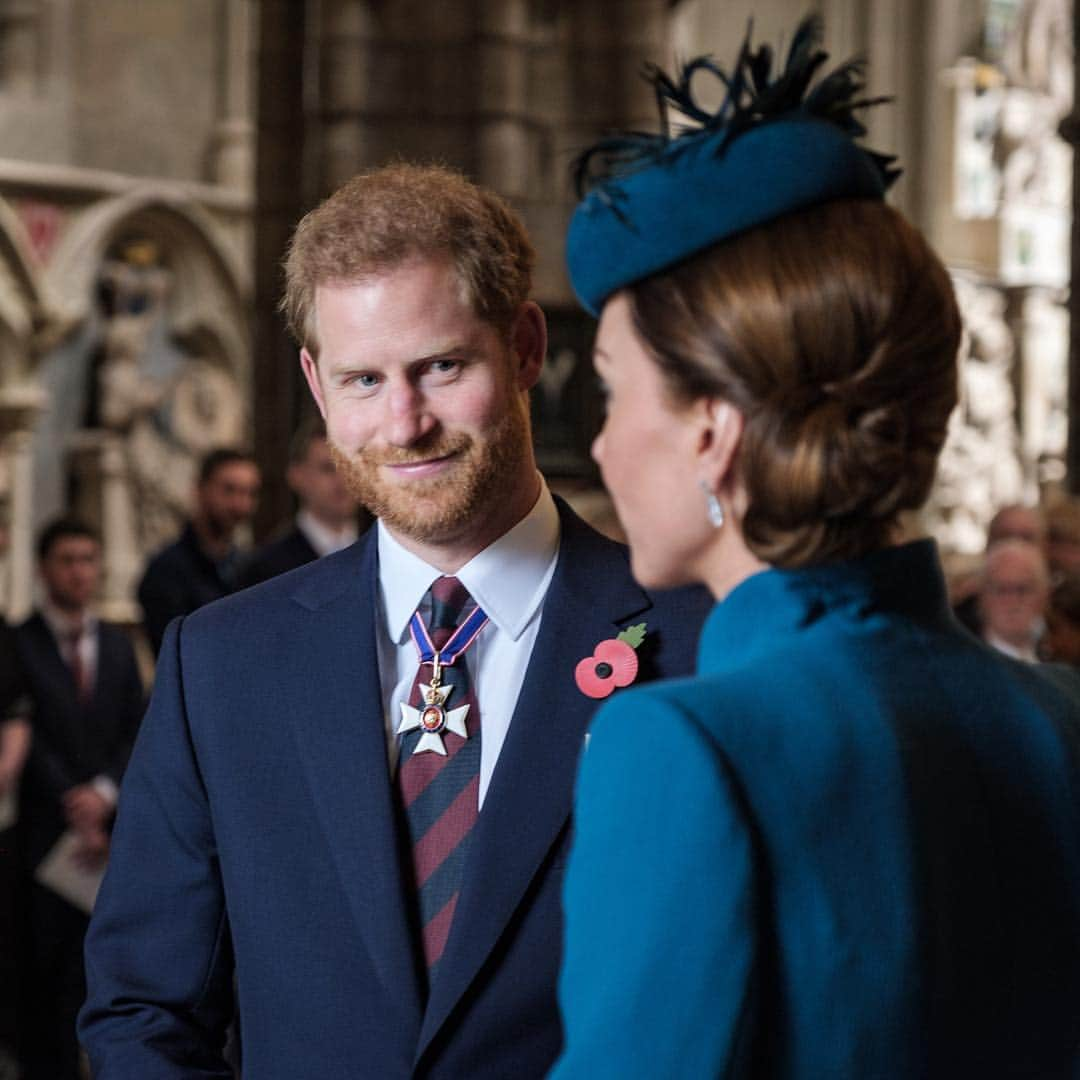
x=420 y=469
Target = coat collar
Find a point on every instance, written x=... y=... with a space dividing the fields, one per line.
x=906 y=579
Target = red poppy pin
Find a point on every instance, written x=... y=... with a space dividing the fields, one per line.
x=613 y=663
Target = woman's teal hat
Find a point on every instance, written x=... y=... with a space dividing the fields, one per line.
x=650 y=201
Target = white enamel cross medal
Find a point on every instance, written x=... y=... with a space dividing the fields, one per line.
x=434 y=718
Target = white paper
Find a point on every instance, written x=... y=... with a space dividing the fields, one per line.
x=63 y=872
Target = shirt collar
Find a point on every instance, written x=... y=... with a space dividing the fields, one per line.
x=63 y=625
x=325 y=541
x=1016 y=652
x=508 y=579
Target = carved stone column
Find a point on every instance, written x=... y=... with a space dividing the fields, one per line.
x=281 y=196
x=19 y=407
x=234 y=136
x=348 y=82
x=504 y=145
x=100 y=467
x=19 y=45
x=1070 y=132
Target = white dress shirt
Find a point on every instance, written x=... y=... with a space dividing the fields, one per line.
x=1027 y=654
x=509 y=580
x=323 y=539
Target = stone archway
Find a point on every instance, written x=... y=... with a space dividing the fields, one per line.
x=153 y=370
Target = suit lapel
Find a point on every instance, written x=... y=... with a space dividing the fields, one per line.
x=342 y=745
x=57 y=673
x=531 y=794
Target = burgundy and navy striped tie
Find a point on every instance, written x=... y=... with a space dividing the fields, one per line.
x=440 y=791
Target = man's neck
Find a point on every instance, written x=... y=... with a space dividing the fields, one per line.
x=65 y=617
x=450 y=555
x=214 y=545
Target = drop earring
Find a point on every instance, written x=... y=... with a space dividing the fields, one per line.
x=713 y=507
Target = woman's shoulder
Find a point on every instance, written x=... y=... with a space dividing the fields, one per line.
x=669 y=718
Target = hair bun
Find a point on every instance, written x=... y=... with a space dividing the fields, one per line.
x=834 y=331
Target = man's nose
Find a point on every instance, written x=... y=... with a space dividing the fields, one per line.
x=410 y=415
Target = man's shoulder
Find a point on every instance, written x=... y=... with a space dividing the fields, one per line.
x=115 y=636
x=595 y=566
x=287 y=541
x=176 y=553
x=311 y=585
x=33 y=624
x=284 y=551
x=35 y=647
x=580 y=540
x=32 y=635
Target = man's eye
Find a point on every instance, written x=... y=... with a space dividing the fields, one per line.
x=444 y=367
x=368 y=382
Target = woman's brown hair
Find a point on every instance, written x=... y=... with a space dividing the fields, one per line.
x=834 y=330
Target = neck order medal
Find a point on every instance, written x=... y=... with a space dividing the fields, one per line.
x=433 y=718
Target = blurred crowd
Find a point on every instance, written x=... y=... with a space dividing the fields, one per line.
x=72 y=694
x=1024 y=599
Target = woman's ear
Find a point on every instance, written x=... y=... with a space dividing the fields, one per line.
x=719 y=435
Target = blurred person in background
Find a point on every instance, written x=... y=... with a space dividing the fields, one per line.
x=87 y=703
x=1063 y=538
x=204 y=563
x=14 y=745
x=326 y=520
x=1013 y=588
x=1061 y=642
x=14 y=711
x=1015 y=521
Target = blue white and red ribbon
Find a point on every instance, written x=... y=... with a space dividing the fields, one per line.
x=459 y=641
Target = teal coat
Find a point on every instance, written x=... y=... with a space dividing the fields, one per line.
x=849 y=847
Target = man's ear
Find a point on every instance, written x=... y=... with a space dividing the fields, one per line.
x=528 y=344
x=719 y=435
x=310 y=367
x=294 y=477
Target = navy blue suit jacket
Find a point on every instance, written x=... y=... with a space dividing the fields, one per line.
x=850 y=847
x=257 y=833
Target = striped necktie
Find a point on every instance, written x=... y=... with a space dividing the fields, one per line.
x=439 y=766
x=80 y=676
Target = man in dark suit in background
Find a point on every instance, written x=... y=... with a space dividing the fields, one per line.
x=203 y=563
x=14 y=744
x=327 y=517
x=87 y=703
x=360 y=810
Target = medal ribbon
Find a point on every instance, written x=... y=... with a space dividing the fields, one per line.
x=461 y=639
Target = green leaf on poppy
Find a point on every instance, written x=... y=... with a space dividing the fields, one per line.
x=633 y=635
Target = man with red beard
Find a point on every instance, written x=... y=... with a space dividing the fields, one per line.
x=353 y=788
